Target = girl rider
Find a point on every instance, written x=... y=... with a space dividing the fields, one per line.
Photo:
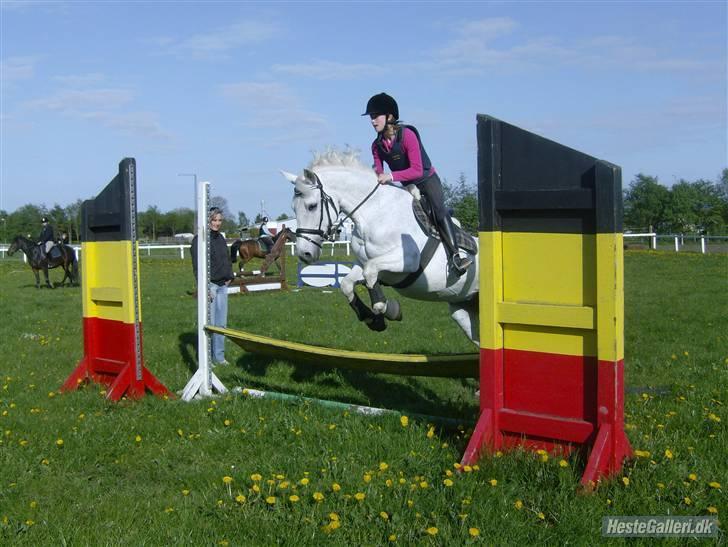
x=399 y=146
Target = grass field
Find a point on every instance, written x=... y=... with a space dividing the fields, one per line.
x=78 y=470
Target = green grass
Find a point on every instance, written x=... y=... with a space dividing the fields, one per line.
x=151 y=471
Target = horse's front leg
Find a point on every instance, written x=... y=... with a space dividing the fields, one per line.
x=363 y=313
x=37 y=278
x=47 y=279
x=391 y=262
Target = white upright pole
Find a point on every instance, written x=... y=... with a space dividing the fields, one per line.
x=702 y=244
x=204 y=380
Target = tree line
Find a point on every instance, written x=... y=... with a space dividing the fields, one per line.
x=697 y=207
x=153 y=224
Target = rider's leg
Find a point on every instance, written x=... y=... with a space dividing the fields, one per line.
x=432 y=188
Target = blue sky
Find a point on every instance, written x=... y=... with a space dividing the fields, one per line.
x=235 y=91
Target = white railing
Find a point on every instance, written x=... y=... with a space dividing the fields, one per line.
x=677 y=242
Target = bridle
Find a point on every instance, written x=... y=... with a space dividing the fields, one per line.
x=327 y=204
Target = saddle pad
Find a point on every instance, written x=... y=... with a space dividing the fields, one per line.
x=463 y=240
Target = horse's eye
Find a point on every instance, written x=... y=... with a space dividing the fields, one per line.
x=297 y=193
x=312 y=207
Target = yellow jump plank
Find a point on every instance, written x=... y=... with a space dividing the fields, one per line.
x=461 y=365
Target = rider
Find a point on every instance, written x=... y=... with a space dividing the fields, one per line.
x=45 y=240
x=265 y=236
x=400 y=147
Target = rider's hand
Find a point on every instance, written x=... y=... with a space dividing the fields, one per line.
x=384 y=178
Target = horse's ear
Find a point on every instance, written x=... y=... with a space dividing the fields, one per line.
x=311 y=177
x=290 y=177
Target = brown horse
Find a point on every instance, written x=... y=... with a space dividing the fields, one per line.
x=60 y=255
x=255 y=248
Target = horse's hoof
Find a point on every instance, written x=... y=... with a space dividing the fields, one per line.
x=376 y=323
x=393 y=312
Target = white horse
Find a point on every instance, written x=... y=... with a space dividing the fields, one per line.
x=387 y=240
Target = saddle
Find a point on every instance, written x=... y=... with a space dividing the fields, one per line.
x=55 y=253
x=423 y=213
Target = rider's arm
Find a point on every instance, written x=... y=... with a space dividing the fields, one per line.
x=411 y=146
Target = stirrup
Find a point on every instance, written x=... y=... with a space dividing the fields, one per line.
x=460 y=264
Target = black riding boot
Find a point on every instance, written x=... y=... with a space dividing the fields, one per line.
x=447 y=233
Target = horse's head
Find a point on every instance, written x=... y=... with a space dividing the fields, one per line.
x=315 y=214
x=15 y=245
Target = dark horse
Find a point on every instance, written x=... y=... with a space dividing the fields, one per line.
x=65 y=258
x=254 y=248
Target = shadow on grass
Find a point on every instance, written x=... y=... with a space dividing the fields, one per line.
x=187 y=343
x=377 y=390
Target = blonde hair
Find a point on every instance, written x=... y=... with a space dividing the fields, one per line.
x=213 y=212
x=390 y=130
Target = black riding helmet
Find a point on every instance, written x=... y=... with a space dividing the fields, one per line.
x=382 y=104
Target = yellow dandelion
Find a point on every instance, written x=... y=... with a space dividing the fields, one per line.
x=693 y=477
x=336 y=487
x=303 y=482
x=714 y=484
x=359 y=496
x=392 y=538
x=474 y=532
x=661 y=485
x=138 y=438
x=423 y=484
x=687 y=500
x=467 y=468
x=448 y=482
x=29 y=522
x=384 y=515
x=493 y=482
x=668 y=454
x=270 y=500
x=256 y=477
x=240 y=498
x=712 y=510
x=293 y=498
x=59 y=443
x=714 y=417
x=44 y=461
x=383 y=466
x=541 y=516
x=185 y=492
x=642 y=453
x=518 y=505
x=430 y=432
x=432 y=530
x=318 y=496
x=33 y=504
x=333 y=517
x=388 y=483
x=180 y=433
x=404 y=420
x=410 y=503
x=563 y=463
x=367 y=477
x=227 y=480
x=169 y=510
x=227 y=423
x=625 y=481
x=334 y=524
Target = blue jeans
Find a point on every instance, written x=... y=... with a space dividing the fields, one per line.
x=218 y=318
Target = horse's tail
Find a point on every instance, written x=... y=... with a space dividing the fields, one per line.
x=234 y=250
x=75 y=267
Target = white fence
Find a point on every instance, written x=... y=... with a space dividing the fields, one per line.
x=179 y=250
x=704 y=244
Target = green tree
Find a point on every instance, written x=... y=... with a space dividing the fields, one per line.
x=644 y=203
x=462 y=198
x=243 y=221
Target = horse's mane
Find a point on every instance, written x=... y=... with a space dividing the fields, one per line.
x=333 y=157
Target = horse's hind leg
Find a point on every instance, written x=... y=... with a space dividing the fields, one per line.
x=466 y=316
x=47 y=279
x=37 y=278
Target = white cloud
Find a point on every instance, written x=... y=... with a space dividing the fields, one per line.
x=477 y=45
x=331 y=70
x=17 y=68
x=274 y=108
x=83 y=100
x=77 y=80
x=218 y=43
x=144 y=124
